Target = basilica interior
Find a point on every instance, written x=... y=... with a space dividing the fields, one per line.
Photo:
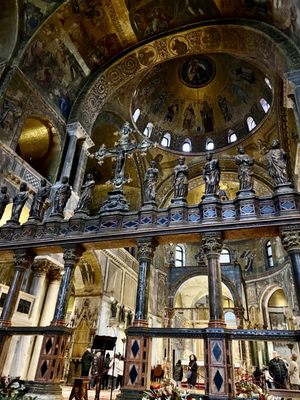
x=100 y=91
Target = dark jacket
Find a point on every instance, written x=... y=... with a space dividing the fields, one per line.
x=178 y=373
x=278 y=370
x=193 y=367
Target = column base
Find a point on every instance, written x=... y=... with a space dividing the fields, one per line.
x=44 y=391
x=140 y=322
x=129 y=394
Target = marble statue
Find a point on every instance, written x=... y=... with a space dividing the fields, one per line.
x=19 y=202
x=39 y=199
x=277 y=161
x=129 y=318
x=245 y=169
x=181 y=179
x=150 y=182
x=85 y=199
x=113 y=308
x=211 y=174
x=122 y=314
x=4 y=200
x=61 y=196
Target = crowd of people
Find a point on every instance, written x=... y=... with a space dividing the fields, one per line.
x=109 y=376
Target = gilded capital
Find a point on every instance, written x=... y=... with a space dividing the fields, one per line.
x=290 y=240
x=212 y=243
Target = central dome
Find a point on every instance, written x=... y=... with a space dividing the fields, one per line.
x=203 y=102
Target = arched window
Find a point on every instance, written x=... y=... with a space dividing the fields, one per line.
x=179 y=256
x=231 y=136
x=268 y=83
x=209 y=144
x=225 y=257
x=269 y=253
x=251 y=123
x=265 y=105
x=187 y=145
x=148 y=130
x=166 y=140
x=136 y=114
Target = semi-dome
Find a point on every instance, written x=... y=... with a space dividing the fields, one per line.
x=201 y=102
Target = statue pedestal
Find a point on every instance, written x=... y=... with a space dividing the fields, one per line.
x=116 y=202
x=179 y=201
x=210 y=207
x=242 y=194
x=246 y=206
x=149 y=206
x=286 y=199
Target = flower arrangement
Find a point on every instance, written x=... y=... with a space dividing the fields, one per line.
x=166 y=391
x=246 y=388
x=13 y=389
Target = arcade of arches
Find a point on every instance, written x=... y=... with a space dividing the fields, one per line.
x=211 y=274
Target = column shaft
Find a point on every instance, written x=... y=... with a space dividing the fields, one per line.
x=68 y=162
x=291 y=243
x=145 y=255
x=71 y=257
x=22 y=262
x=212 y=246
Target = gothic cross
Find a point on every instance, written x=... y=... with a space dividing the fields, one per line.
x=123 y=148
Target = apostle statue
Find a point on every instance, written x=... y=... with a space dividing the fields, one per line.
x=4 y=200
x=61 y=197
x=39 y=199
x=150 y=182
x=19 y=202
x=181 y=179
x=245 y=169
x=129 y=318
x=277 y=161
x=114 y=308
x=85 y=199
x=211 y=175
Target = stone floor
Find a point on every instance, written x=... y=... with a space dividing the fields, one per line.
x=104 y=394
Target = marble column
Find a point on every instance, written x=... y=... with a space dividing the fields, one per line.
x=212 y=246
x=54 y=277
x=218 y=351
x=87 y=144
x=145 y=255
x=51 y=361
x=75 y=131
x=138 y=348
x=291 y=242
x=23 y=260
x=38 y=287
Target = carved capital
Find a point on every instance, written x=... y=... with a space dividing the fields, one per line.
x=72 y=255
x=54 y=274
x=290 y=240
x=23 y=259
x=212 y=243
x=40 y=267
x=146 y=250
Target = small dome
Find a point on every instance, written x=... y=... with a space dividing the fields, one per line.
x=199 y=98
